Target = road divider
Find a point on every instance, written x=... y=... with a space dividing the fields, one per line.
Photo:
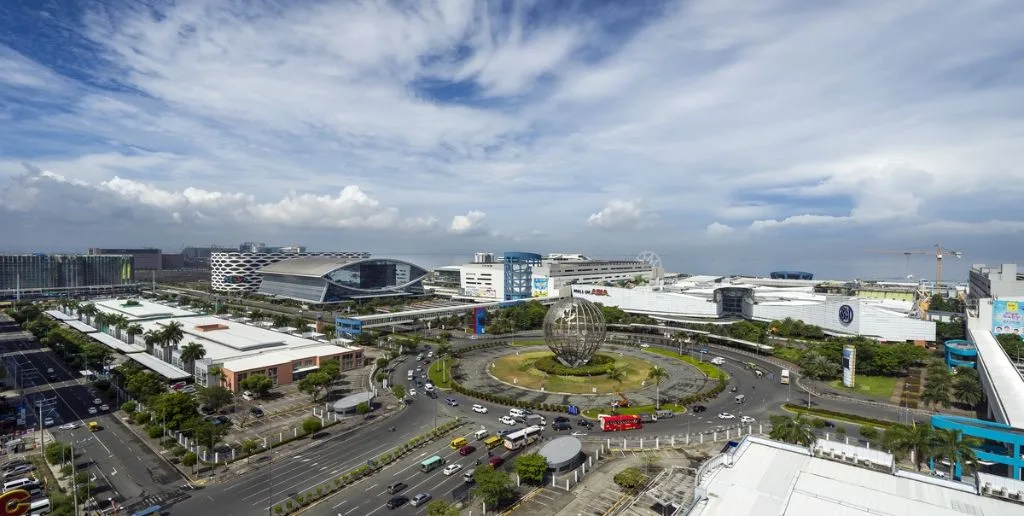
x=329 y=487
x=838 y=416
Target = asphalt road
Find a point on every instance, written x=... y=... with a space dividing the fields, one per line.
x=123 y=467
x=274 y=480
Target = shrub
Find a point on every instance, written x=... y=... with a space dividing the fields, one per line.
x=278 y=509
x=178 y=451
x=129 y=407
x=142 y=417
x=289 y=505
x=598 y=365
x=154 y=431
x=630 y=479
x=868 y=432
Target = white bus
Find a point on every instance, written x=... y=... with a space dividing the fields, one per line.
x=521 y=438
x=784 y=377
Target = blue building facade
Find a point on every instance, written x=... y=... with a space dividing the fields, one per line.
x=519 y=274
x=961 y=353
x=1002 y=445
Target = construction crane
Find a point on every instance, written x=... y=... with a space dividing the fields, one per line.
x=939 y=252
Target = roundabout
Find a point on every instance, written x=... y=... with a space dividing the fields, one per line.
x=538 y=370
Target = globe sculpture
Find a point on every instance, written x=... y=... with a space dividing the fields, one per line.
x=573 y=329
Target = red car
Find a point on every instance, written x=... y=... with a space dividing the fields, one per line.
x=466 y=450
x=496 y=461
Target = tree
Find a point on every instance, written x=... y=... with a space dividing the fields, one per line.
x=314 y=384
x=363 y=408
x=794 y=430
x=152 y=339
x=398 y=390
x=133 y=330
x=257 y=383
x=967 y=388
x=493 y=486
x=441 y=508
x=937 y=383
x=144 y=386
x=331 y=368
x=175 y=410
x=206 y=433
x=249 y=446
x=190 y=353
x=616 y=375
x=868 y=432
x=915 y=439
x=531 y=468
x=312 y=425
x=58 y=453
x=630 y=480
x=956 y=449
x=189 y=459
x=657 y=374
x=214 y=397
x=818 y=366
x=173 y=333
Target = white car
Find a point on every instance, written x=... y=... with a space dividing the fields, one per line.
x=68 y=426
x=747 y=419
x=726 y=415
x=104 y=407
x=248 y=396
x=412 y=392
x=48 y=421
x=480 y=408
x=92 y=411
x=507 y=420
x=97 y=401
x=578 y=433
x=451 y=469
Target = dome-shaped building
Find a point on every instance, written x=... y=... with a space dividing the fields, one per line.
x=574 y=329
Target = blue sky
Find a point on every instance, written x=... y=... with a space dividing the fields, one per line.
x=728 y=136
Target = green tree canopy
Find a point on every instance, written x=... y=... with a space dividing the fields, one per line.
x=144 y=385
x=493 y=486
x=257 y=383
x=312 y=425
x=314 y=384
x=441 y=508
x=177 y=410
x=214 y=397
x=531 y=468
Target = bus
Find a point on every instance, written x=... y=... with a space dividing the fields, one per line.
x=431 y=464
x=620 y=422
x=784 y=377
x=522 y=438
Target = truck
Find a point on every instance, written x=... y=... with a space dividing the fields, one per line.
x=535 y=419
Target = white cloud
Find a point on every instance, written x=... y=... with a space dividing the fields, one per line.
x=719 y=229
x=472 y=223
x=797 y=220
x=618 y=214
x=420 y=223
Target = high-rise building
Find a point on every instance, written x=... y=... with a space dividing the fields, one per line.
x=146 y=259
x=38 y=275
x=995 y=282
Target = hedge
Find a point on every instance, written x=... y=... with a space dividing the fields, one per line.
x=598 y=365
x=839 y=415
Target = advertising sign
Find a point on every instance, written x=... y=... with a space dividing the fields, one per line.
x=540 y=287
x=1007 y=317
x=591 y=292
x=15 y=502
x=846 y=314
x=849 y=365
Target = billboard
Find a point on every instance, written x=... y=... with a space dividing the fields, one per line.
x=487 y=292
x=591 y=292
x=849 y=366
x=1007 y=317
x=540 y=287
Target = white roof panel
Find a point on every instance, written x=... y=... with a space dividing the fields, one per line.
x=116 y=343
x=140 y=309
x=80 y=326
x=1006 y=381
x=159 y=366
x=60 y=316
x=283 y=356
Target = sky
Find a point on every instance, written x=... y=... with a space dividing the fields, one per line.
x=726 y=136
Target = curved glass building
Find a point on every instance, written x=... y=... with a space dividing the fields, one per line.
x=319 y=279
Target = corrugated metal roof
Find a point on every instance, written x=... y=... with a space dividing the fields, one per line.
x=312 y=266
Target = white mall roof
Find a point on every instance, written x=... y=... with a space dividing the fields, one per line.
x=80 y=326
x=145 y=310
x=1001 y=373
x=283 y=356
x=772 y=479
x=60 y=316
x=159 y=366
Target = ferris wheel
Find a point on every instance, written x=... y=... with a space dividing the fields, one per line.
x=651 y=258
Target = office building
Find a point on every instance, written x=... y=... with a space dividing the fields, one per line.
x=51 y=275
x=146 y=259
x=995 y=282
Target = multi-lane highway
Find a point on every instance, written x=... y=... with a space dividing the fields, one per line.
x=123 y=468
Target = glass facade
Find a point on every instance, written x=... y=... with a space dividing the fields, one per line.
x=64 y=273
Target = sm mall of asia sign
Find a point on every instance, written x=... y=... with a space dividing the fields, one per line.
x=590 y=292
x=15 y=502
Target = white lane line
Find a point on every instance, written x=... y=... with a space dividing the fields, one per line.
x=339 y=504
x=371 y=487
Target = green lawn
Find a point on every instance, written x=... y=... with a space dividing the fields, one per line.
x=707 y=368
x=441 y=378
x=875 y=386
x=518 y=370
x=527 y=343
x=835 y=416
x=788 y=354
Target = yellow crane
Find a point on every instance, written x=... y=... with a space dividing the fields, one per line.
x=939 y=252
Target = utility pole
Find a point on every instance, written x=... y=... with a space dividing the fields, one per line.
x=74 y=481
x=270 y=488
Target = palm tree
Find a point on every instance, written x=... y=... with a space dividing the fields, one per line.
x=153 y=339
x=215 y=376
x=914 y=439
x=443 y=350
x=951 y=445
x=657 y=374
x=120 y=323
x=967 y=390
x=88 y=310
x=190 y=353
x=133 y=330
x=102 y=320
x=171 y=336
x=256 y=315
x=794 y=430
x=616 y=375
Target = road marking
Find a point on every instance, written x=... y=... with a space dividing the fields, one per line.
x=339 y=504
x=371 y=487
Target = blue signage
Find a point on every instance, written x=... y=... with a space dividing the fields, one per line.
x=846 y=314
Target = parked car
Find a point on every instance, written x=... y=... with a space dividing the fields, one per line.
x=97 y=401
x=256 y=411
x=420 y=499
x=561 y=425
x=104 y=407
x=48 y=422
x=726 y=415
x=452 y=402
x=507 y=420
x=92 y=411
x=480 y=408
x=561 y=419
x=248 y=396
x=18 y=470
x=697 y=409
x=451 y=469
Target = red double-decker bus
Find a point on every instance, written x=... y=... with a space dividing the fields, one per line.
x=620 y=422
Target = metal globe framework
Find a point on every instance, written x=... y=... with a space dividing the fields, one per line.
x=574 y=329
